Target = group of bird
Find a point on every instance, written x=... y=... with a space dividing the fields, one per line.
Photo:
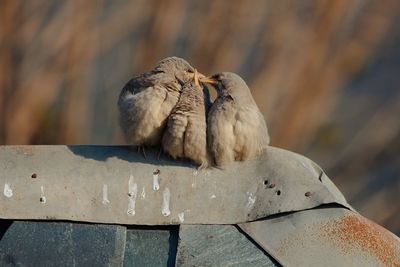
x=170 y=107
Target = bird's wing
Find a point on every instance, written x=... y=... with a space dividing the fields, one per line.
x=195 y=143
x=142 y=81
x=249 y=132
x=174 y=134
x=143 y=115
x=221 y=138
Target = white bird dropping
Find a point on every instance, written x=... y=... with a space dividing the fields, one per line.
x=132 y=193
x=181 y=217
x=42 y=196
x=8 y=191
x=105 y=194
x=156 y=186
x=165 y=205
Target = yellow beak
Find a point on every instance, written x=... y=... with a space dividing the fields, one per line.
x=196 y=77
x=208 y=80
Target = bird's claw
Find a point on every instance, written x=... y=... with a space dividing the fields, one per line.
x=141 y=149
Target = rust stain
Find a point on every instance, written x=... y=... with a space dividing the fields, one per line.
x=351 y=230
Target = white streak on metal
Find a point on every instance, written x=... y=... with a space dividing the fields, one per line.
x=42 y=196
x=132 y=193
x=195 y=172
x=156 y=186
x=181 y=216
x=213 y=196
x=143 y=194
x=8 y=191
x=251 y=200
x=105 y=194
x=165 y=205
x=194 y=182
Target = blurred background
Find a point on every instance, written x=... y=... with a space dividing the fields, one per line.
x=324 y=73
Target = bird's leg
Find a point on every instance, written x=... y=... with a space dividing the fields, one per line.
x=159 y=153
x=202 y=166
x=141 y=149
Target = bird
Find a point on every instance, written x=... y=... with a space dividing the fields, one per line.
x=186 y=133
x=236 y=129
x=146 y=101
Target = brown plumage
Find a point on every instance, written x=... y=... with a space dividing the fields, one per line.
x=147 y=100
x=236 y=128
x=185 y=135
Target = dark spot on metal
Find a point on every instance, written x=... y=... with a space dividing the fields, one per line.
x=271 y=186
x=320 y=176
x=278 y=192
x=265 y=182
x=307 y=194
x=42 y=199
x=157 y=172
x=34 y=175
x=129 y=194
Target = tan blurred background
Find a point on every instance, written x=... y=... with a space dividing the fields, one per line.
x=324 y=73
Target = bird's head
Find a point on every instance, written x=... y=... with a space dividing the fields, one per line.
x=178 y=68
x=227 y=83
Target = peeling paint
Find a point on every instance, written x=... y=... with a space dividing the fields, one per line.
x=132 y=193
x=8 y=191
x=165 y=205
x=105 y=194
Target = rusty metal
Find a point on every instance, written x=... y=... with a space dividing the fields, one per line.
x=113 y=184
x=325 y=237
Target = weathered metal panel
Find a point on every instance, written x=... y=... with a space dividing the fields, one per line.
x=62 y=244
x=147 y=247
x=113 y=184
x=325 y=237
x=218 y=245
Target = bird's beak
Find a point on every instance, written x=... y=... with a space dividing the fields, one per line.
x=196 y=77
x=200 y=75
x=208 y=80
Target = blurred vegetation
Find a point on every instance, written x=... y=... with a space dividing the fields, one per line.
x=324 y=73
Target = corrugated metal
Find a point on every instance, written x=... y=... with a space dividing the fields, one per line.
x=113 y=184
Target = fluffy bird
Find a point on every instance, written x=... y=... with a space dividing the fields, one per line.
x=147 y=100
x=186 y=132
x=236 y=129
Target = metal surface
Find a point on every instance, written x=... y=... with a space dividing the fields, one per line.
x=43 y=243
x=218 y=245
x=325 y=237
x=113 y=184
x=62 y=244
